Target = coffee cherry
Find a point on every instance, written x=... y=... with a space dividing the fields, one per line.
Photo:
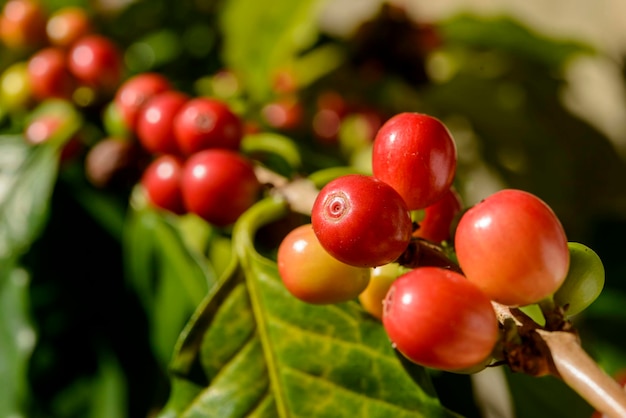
x=374 y=294
x=113 y=163
x=67 y=25
x=96 y=61
x=584 y=281
x=284 y=113
x=48 y=74
x=22 y=24
x=204 y=123
x=42 y=129
x=314 y=276
x=437 y=318
x=15 y=91
x=162 y=182
x=361 y=221
x=438 y=217
x=113 y=121
x=135 y=92
x=219 y=185
x=416 y=155
x=154 y=124
x=513 y=247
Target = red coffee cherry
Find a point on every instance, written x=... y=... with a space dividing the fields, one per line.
x=162 y=182
x=437 y=318
x=513 y=247
x=22 y=24
x=204 y=123
x=284 y=113
x=135 y=92
x=155 y=122
x=314 y=276
x=416 y=155
x=42 y=128
x=361 y=221
x=48 y=74
x=67 y=25
x=438 y=217
x=96 y=61
x=219 y=185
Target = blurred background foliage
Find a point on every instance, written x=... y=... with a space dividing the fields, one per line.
x=81 y=335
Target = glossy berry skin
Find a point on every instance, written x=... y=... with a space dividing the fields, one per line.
x=42 y=129
x=361 y=221
x=154 y=124
x=513 y=247
x=314 y=276
x=219 y=185
x=285 y=113
x=22 y=24
x=438 y=217
x=67 y=25
x=162 y=182
x=96 y=61
x=381 y=279
x=48 y=74
x=584 y=281
x=438 y=319
x=416 y=155
x=204 y=123
x=133 y=93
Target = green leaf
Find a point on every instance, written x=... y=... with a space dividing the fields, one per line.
x=507 y=35
x=257 y=351
x=170 y=278
x=27 y=177
x=102 y=394
x=17 y=339
x=109 y=394
x=258 y=40
x=262 y=146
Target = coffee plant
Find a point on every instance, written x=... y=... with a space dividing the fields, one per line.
x=227 y=209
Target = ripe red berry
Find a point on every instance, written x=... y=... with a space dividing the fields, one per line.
x=513 y=247
x=42 y=128
x=96 y=61
x=48 y=74
x=22 y=24
x=361 y=221
x=154 y=124
x=285 y=113
x=438 y=217
x=204 y=123
x=314 y=276
x=162 y=182
x=67 y=25
x=219 y=185
x=437 y=318
x=135 y=92
x=416 y=155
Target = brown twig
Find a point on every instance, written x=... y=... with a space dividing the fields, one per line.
x=526 y=347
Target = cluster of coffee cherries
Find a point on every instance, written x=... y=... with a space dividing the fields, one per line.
x=511 y=249
x=57 y=56
x=190 y=145
x=194 y=143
